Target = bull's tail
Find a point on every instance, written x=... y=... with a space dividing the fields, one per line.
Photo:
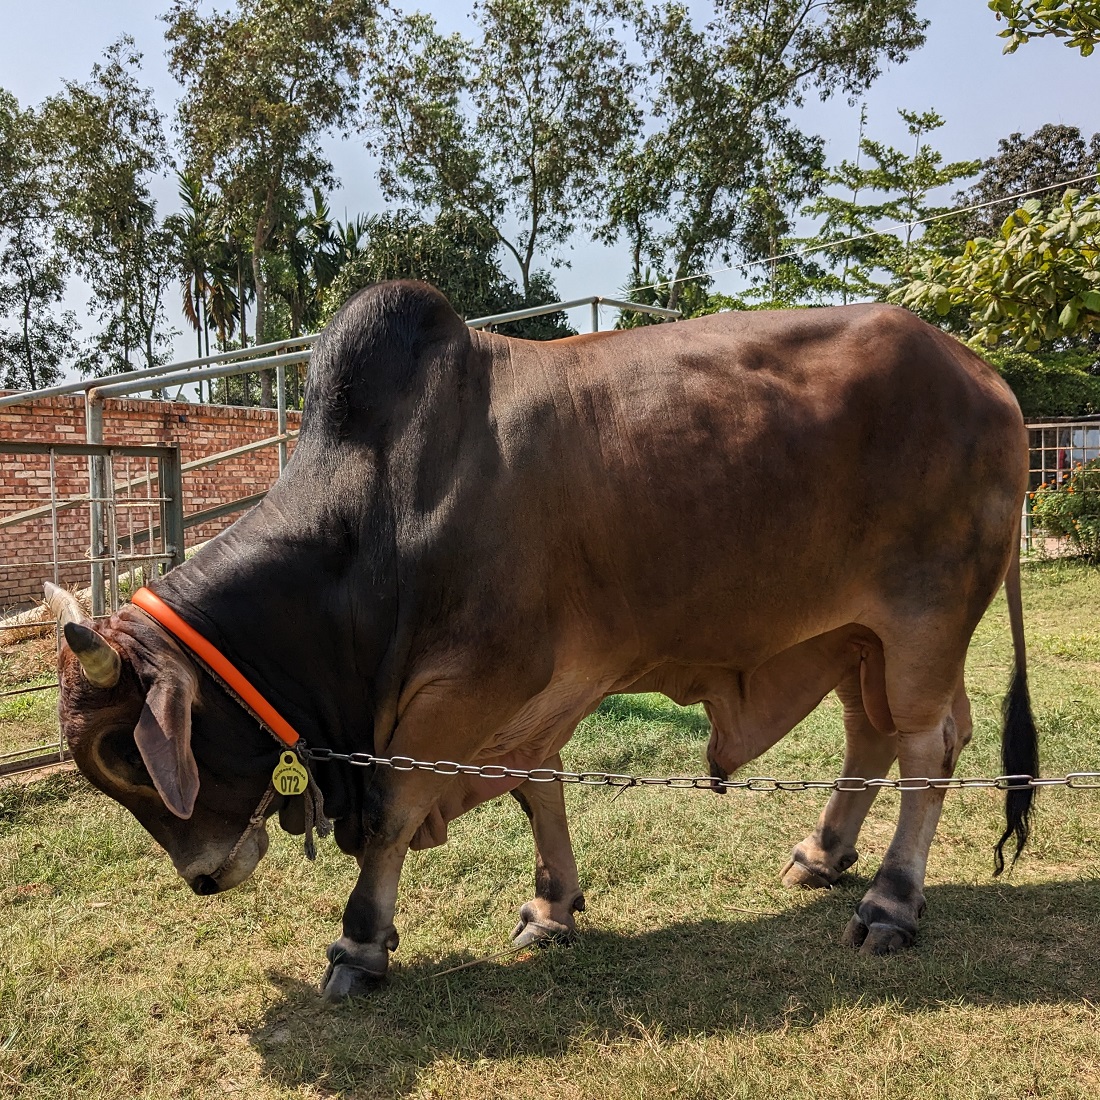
x=1019 y=741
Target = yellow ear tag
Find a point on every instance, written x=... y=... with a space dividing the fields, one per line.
x=289 y=776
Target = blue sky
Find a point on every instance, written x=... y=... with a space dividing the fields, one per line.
x=961 y=73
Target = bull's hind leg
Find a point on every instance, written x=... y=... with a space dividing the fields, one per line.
x=820 y=859
x=886 y=919
x=549 y=915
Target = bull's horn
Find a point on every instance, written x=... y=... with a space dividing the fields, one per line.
x=101 y=663
x=64 y=605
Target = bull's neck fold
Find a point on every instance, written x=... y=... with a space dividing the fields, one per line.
x=304 y=620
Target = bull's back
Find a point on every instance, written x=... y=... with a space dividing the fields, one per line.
x=773 y=471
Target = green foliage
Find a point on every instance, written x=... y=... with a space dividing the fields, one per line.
x=1072 y=510
x=309 y=251
x=1036 y=283
x=206 y=263
x=1075 y=21
x=20 y=158
x=870 y=265
x=719 y=142
x=261 y=86
x=457 y=254
x=1050 y=384
x=105 y=144
x=541 y=292
x=510 y=128
x=1051 y=157
x=34 y=343
x=655 y=289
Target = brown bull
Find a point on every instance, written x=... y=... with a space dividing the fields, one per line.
x=478 y=539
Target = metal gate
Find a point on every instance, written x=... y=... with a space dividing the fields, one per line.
x=108 y=518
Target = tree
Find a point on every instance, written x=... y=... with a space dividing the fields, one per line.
x=307 y=258
x=1037 y=283
x=457 y=254
x=1049 y=384
x=902 y=183
x=34 y=343
x=718 y=96
x=1075 y=21
x=654 y=289
x=790 y=175
x=1052 y=157
x=510 y=129
x=261 y=87
x=194 y=244
x=106 y=142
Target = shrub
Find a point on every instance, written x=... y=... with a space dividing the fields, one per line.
x=1054 y=384
x=1072 y=510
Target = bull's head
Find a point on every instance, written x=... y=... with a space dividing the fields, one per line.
x=146 y=726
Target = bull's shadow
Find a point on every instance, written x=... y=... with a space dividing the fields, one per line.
x=994 y=944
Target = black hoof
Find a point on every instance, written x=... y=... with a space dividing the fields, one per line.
x=354 y=969
x=877 y=938
x=342 y=981
x=536 y=931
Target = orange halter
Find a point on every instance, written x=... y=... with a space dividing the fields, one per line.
x=220 y=665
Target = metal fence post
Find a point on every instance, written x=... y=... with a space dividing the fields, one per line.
x=93 y=430
x=171 y=508
x=280 y=401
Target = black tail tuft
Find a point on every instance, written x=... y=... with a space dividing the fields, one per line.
x=1019 y=756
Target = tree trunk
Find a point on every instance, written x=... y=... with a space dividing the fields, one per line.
x=31 y=378
x=267 y=399
x=240 y=301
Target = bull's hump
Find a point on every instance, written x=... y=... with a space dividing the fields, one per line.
x=381 y=348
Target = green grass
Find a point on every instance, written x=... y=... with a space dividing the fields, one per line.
x=30 y=719
x=696 y=974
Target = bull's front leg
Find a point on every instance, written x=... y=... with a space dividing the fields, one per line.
x=548 y=917
x=358 y=960
x=411 y=808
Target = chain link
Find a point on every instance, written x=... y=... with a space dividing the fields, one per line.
x=1074 y=780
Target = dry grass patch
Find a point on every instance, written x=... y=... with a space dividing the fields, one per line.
x=696 y=974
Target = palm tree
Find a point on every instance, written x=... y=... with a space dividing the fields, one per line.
x=349 y=238
x=192 y=232
x=308 y=249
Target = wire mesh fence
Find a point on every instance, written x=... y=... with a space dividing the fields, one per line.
x=106 y=512
x=1062 y=506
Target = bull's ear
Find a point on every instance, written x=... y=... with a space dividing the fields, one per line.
x=163 y=737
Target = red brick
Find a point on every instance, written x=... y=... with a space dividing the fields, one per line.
x=24 y=480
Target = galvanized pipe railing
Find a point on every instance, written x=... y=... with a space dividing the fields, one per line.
x=239 y=354
x=593 y=300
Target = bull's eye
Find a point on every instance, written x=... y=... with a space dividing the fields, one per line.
x=121 y=758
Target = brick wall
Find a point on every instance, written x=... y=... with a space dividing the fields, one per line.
x=26 y=549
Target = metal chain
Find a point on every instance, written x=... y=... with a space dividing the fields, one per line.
x=1074 y=780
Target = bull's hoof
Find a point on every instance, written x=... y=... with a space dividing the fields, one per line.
x=354 y=969
x=878 y=938
x=817 y=874
x=887 y=917
x=799 y=875
x=539 y=929
x=342 y=981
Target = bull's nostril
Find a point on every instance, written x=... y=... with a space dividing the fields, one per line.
x=205 y=884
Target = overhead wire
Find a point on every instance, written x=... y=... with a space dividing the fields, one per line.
x=885 y=231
